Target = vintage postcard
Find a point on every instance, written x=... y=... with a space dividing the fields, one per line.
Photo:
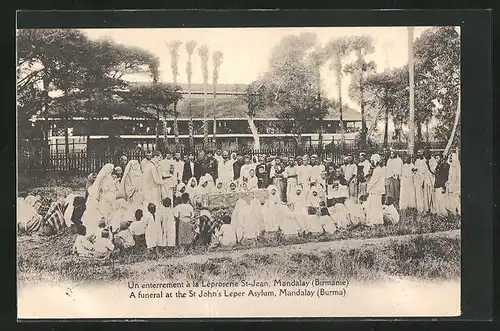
x=238 y=172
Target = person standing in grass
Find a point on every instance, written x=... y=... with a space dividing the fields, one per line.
x=441 y=172
x=153 y=229
x=407 y=199
x=364 y=167
x=376 y=189
x=184 y=213
x=394 y=169
x=291 y=178
x=167 y=224
x=453 y=185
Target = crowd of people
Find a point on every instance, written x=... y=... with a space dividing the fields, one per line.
x=158 y=201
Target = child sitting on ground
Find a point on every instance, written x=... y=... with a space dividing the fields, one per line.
x=391 y=215
x=96 y=233
x=82 y=245
x=124 y=238
x=103 y=246
x=138 y=228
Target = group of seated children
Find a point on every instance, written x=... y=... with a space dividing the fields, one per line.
x=149 y=227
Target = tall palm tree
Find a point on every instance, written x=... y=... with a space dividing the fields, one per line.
x=362 y=46
x=203 y=53
x=190 y=46
x=339 y=49
x=173 y=48
x=217 y=61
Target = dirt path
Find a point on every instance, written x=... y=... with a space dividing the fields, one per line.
x=289 y=249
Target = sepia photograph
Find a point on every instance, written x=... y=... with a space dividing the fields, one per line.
x=238 y=172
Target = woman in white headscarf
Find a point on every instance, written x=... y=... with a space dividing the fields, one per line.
x=254 y=224
x=299 y=207
x=270 y=209
x=219 y=187
x=376 y=189
x=453 y=185
x=192 y=187
x=210 y=183
x=313 y=202
x=233 y=187
x=131 y=180
x=238 y=218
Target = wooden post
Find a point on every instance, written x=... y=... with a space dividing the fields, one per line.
x=411 y=121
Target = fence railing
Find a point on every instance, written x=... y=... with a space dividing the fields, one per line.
x=84 y=162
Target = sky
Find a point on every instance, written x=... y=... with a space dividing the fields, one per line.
x=247 y=51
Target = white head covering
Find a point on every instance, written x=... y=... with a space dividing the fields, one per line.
x=106 y=170
x=375 y=158
x=219 y=190
x=131 y=175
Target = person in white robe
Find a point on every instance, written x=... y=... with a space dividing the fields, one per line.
x=338 y=194
x=270 y=210
x=167 y=190
x=453 y=185
x=291 y=177
x=226 y=235
x=203 y=189
x=131 y=182
x=192 y=188
x=238 y=218
x=407 y=199
x=375 y=189
x=350 y=174
x=252 y=183
x=153 y=227
x=299 y=207
x=180 y=189
x=255 y=221
x=314 y=202
x=220 y=186
x=364 y=169
x=245 y=169
x=233 y=187
x=424 y=186
x=152 y=181
x=225 y=168
x=210 y=183
x=167 y=224
x=303 y=174
x=395 y=169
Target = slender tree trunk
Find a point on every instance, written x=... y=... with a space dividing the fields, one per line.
x=157 y=130
x=386 y=128
x=419 y=132
x=427 y=133
x=176 y=127
x=191 y=124
x=214 y=133
x=364 y=128
x=454 y=130
x=339 y=86
x=411 y=121
x=46 y=125
x=255 y=132
x=205 y=122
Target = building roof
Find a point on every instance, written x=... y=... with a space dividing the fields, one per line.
x=232 y=106
x=229 y=104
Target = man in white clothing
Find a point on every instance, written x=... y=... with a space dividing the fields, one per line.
x=364 y=167
x=350 y=170
x=225 y=168
x=394 y=171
